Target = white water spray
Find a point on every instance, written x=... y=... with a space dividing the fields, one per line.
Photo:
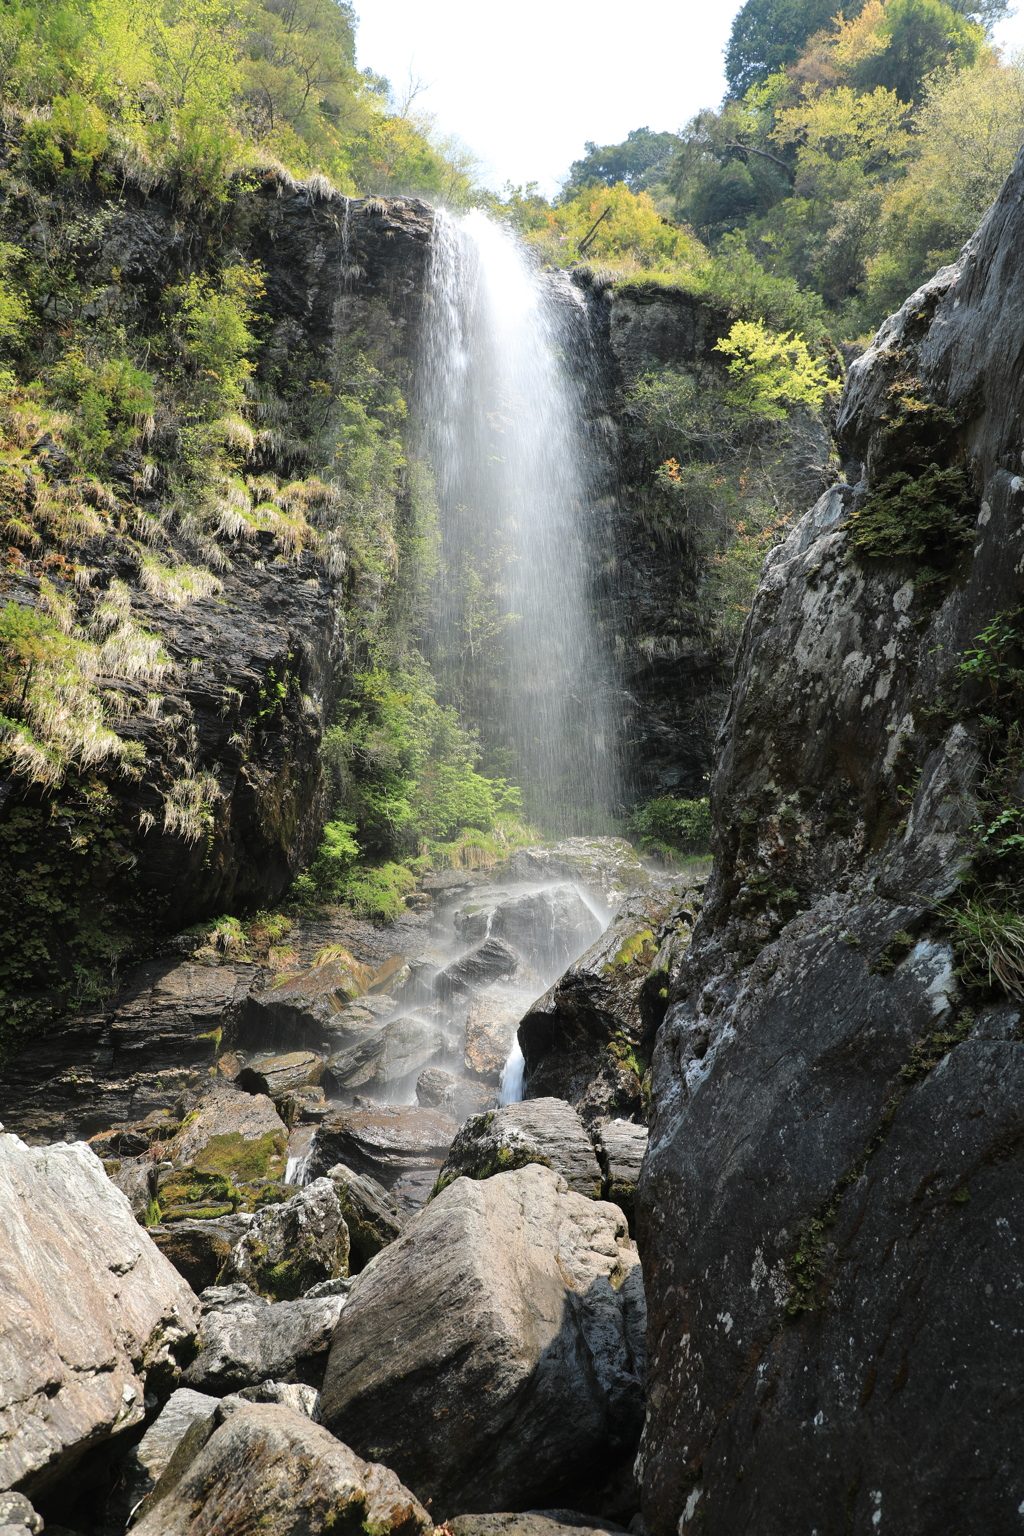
x=502 y=402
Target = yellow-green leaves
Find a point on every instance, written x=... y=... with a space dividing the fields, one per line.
x=216 y=317
x=771 y=372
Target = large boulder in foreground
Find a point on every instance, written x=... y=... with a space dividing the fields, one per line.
x=589 y=1038
x=544 y=1131
x=89 y=1309
x=268 y=1471
x=493 y=1356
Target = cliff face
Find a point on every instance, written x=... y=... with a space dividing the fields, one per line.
x=674 y=674
x=830 y=1213
x=229 y=798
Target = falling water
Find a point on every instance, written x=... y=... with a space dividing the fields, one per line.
x=502 y=402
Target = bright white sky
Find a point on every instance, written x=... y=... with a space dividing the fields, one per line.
x=525 y=82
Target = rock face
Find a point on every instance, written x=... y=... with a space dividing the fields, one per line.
x=89 y=1309
x=388 y=1059
x=620 y=1148
x=589 y=1038
x=267 y=1471
x=527 y=1382
x=550 y=926
x=548 y=1132
x=145 y=1462
x=830 y=1208
x=371 y=1215
x=121 y=1066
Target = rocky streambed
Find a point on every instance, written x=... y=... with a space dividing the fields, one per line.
x=345 y=1236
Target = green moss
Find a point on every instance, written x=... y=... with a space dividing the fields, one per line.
x=505 y=1159
x=243 y=1160
x=631 y=950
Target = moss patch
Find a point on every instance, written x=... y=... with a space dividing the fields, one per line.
x=244 y=1161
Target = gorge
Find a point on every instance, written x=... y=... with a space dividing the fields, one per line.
x=388 y=1144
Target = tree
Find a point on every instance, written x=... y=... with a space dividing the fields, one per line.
x=640 y=161
x=769 y=34
x=920 y=36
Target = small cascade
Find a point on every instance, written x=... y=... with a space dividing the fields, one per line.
x=511 y=1089
x=297 y=1168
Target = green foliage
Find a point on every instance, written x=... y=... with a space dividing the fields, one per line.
x=989 y=943
x=216 y=322
x=112 y=402
x=408 y=794
x=640 y=162
x=929 y=515
x=771 y=372
x=616 y=228
x=717 y=485
x=857 y=150
x=919 y=36
x=193 y=90
x=924 y=507
x=670 y=825
x=70 y=141
x=769 y=34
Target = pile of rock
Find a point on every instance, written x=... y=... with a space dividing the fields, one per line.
x=489 y=1351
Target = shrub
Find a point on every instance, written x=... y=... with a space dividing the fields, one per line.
x=112 y=402
x=771 y=372
x=669 y=825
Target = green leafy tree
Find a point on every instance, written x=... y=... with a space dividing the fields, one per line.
x=770 y=372
x=769 y=34
x=920 y=36
x=640 y=162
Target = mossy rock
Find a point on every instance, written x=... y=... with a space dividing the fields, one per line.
x=245 y=1161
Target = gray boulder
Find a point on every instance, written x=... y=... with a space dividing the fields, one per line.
x=535 y=1522
x=90 y=1311
x=371 y=1215
x=244 y=1339
x=398 y=1145
x=288 y=1394
x=201 y=1250
x=493 y=960
x=552 y=926
x=144 y=1464
x=17 y=1515
x=281 y=1074
x=491 y=1030
x=545 y=1131
x=620 y=1147
x=458 y=1098
x=229 y=1131
x=390 y=1055
x=287 y=1248
x=264 y=1470
x=589 y=1038
x=527 y=1382
x=300 y=1010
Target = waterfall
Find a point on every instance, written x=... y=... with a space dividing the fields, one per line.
x=501 y=399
